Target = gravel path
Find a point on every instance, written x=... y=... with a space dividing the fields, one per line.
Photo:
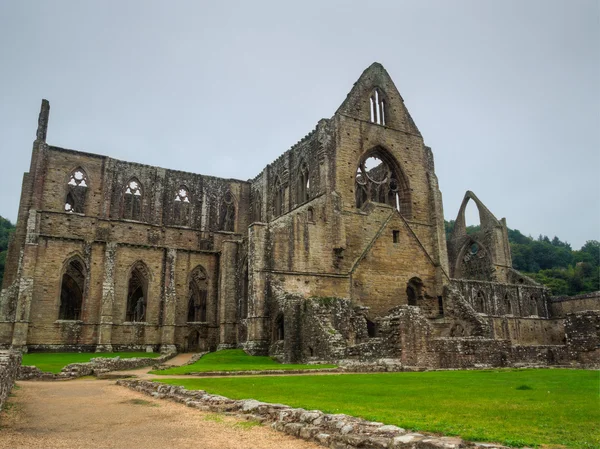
x=99 y=414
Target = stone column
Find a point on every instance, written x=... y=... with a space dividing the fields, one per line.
x=170 y=295
x=26 y=273
x=258 y=335
x=108 y=299
x=227 y=295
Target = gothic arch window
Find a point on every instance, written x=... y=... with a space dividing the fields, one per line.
x=227 y=213
x=77 y=188
x=302 y=184
x=377 y=107
x=181 y=206
x=379 y=180
x=278 y=197
x=132 y=200
x=256 y=206
x=197 y=295
x=137 y=293
x=71 y=290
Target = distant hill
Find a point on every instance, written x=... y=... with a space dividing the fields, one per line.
x=6 y=229
x=552 y=262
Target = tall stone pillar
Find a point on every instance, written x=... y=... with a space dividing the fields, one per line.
x=258 y=335
x=26 y=277
x=227 y=295
x=108 y=299
x=170 y=303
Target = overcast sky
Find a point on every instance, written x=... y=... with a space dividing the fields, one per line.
x=507 y=93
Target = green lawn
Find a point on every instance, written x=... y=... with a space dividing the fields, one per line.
x=234 y=360
x=53 y=362
x=524 y=407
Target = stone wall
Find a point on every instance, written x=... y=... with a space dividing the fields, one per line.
x=9 y=367
x=497 y=299
x=329 y=430
x=95 y=366
x=559 y=306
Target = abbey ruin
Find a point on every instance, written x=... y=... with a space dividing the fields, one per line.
x=335 y=251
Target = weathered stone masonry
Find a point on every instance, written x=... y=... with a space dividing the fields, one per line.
x=336 y=250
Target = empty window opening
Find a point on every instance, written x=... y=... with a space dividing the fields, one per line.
x=303 y=184
x=71 y=292
x=377 y=108
x=311 y=215
x=181 y=206
x=472 y=217
x=378 y=182
x=396 y=236
x=440 y=305
x=279 y=328
x=76 y=192
x=227 y=214
x=137 y=294
x=132 y=200
x=414 y=291
x=371 y=329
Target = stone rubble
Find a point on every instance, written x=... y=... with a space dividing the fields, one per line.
x=9 y=366
x=335 y=431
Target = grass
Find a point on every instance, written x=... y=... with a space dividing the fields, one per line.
x=53 y=362
x=234 y=360
x=558 y=408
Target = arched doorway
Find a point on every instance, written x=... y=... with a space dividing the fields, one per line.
x=71 y=291
x=414 y=291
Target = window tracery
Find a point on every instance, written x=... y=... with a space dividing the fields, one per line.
x=132 y=200
x=181 y=206
x=376 y=181
x=76 y=192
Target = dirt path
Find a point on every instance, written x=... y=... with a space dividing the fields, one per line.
x=99 y=414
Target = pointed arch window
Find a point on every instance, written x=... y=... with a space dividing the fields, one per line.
x=197 y=294
x=377 y=107
x=77 y=188
x=71 y=291
x=137 y=293
x=132 y=200
x=181 y=206
x=377 y=180
x=303 y=184
x=227 y=213
x=278 y=198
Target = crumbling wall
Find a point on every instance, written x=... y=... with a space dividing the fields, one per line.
x=560 y=306
x=498 y=299
x=9 y=367
x=484 y=255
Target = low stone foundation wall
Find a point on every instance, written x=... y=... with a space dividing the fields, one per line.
x=334 y=431
x=95 y=366
x=9 y=366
